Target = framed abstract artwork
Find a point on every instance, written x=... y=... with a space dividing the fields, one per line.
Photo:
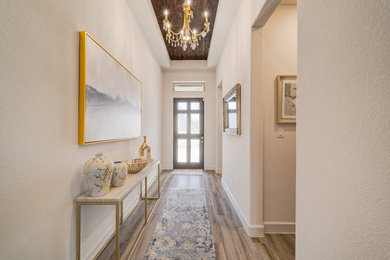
x=286 y=99
x=110 y=96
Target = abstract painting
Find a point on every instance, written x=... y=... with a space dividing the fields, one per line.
x=110 y=96
x=286 y=99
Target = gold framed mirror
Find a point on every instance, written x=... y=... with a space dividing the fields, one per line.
x=232 y=111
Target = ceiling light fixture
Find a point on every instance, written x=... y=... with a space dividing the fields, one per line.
x=186 y=36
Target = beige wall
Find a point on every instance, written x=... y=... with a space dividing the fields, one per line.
x=192 y=74
x=272 y=158
x=261 y=188
x=343 y=141
x=234 y=67
x=279 y=55
x=41 y=161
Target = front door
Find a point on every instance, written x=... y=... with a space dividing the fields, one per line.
x=188 y=140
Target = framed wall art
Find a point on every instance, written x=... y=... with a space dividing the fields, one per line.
x=286 y=99
x=232 y=111
x=110 y=96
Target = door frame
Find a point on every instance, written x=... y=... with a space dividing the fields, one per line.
x=177 y=136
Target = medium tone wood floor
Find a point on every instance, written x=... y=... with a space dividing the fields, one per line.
x=276 y=246
x=231 y=241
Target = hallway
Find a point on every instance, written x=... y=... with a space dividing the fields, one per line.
x=230 y=238
x=287 y=110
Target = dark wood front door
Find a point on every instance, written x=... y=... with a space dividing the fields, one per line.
x=188 y=134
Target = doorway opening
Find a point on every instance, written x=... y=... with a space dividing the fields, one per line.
x=188 y=134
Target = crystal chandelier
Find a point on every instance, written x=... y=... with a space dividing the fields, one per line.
x=186 y=36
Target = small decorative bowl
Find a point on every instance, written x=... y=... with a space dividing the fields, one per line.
x=136 y=165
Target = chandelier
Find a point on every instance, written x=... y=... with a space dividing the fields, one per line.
x=186 y=36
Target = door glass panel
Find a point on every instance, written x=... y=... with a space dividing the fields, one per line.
x=195 y=143
x=195 y=105
x=181 y=105
x=182 y=150
x=195 y=124
x=232 y=120
x=181 y=123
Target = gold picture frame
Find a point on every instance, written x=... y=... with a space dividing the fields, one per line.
x=232 y=111
x=286 y=99
x=106 y=86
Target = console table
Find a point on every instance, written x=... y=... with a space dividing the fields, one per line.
x=115 y=197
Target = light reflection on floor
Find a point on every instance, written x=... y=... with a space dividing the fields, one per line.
x=186 y=179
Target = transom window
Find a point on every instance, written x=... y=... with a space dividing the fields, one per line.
x=194 y=86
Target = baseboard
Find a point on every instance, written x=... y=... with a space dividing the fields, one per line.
x=209 y=169
x=251 y=230
x=95 y=250
x=273 y=227
x=218 y=170
x=206 y=169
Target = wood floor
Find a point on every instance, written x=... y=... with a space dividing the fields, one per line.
x=231 y=241
x=276 y=246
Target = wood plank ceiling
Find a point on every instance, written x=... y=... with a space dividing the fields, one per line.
x=175 y=9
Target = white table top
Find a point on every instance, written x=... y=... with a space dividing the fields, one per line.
x=118 y=194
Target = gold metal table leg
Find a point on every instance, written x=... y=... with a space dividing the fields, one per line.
x=117 y=231
x=158 y=187
x=121 y=212
x=146 y=200
x=118 y=217
x=140 y=190
x=158 y=178
x=78 y=232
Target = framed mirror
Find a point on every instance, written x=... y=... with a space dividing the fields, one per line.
x=232 y=111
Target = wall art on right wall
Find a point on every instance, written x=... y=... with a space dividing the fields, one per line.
x=286 y=99
x=232 y=111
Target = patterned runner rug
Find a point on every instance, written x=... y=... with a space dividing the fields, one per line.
x=183 y=230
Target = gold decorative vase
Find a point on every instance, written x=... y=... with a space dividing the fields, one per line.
x=142 y=149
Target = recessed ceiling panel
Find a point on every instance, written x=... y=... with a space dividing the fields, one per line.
x=175 y=9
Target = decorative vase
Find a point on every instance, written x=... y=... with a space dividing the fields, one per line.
x=98 y=172
x=119 y=175
x=142 y=149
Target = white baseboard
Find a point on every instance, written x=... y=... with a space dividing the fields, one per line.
x=205 y=168
x=218 y=170
x=251 y=230
x=92 y=253
x=273 y=227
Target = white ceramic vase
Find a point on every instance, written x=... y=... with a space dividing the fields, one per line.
x=119 y=175
x=98 y=172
